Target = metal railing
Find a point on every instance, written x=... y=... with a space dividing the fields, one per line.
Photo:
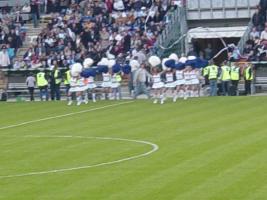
x=176 y=27
x=245 y=38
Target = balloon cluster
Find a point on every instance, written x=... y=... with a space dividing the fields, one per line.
x=173 y=62
x=105 y=65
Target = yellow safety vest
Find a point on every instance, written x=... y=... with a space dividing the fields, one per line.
x=226 y=73
x=56 y=76
x=212 y=72
x=205 y=71
x=235 y=73
x=41 y=80
x=67 y=78
x=248 y=76
x=118 y=78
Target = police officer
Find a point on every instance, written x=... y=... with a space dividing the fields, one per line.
x=42 y=84
x=225 y=78
x=235 y=76
x=55 y=80
x=213 y=71
x=248 y=76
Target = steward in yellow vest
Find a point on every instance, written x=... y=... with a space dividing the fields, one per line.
x=205 y=72
x=41 y=79
x=248 y=76
x=55 y=81
x=235 y=76
x=213 y=71
x=42 y=84
x=225 y=78
x=67 y=78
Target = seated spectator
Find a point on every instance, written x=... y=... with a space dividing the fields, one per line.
x=17 y=64
x=254 y=33
x=248 y=50
x=263 y=36
x=26 y=8
x=18 y=19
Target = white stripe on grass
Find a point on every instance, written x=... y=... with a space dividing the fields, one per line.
x=155 y=147
x=64 y=115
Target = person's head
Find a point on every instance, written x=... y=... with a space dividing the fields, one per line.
x=254 y=29
x=4 y=48
x=154 y=70
x=143 y=65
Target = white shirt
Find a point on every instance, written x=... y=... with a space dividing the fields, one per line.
x=30 y=81
x=4 y=59
x=263 y=35
x=187 y=75
x=156 y=78
x=179 y=75
x=106 y=77
x=169 y=77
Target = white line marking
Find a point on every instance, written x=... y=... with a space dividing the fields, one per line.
x=64 y=115
x=155 y=147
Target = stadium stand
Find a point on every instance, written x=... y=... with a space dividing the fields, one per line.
x=73 y=30
x=94 y=29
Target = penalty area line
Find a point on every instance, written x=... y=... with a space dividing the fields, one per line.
x=64 y=115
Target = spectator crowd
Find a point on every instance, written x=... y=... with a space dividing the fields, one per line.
x=256 y=47
x=84 y=28
x=12 y=32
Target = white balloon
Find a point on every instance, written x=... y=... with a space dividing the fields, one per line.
x=191 y=57
x=103 y=61
x=154 y=61
x=88 y=62
x=111 y=63
x=174 y=56
x=183 y=59
x=76 y=69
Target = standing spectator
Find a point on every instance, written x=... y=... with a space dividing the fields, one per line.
x=11 y=52
x=140 y=78
x=4 y=57
x=258 y=20
x=31 y=82
x=208 y=52
x=34 y=13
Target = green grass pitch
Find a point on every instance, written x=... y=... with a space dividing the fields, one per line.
x=209 y=149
